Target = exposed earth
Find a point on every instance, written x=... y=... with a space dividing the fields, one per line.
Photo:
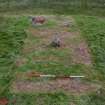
x=74 y=51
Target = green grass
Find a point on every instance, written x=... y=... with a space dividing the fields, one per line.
x=52 y=68
x=40 y=99
x=57 y=99
x=92 y=99
x=91 y=7
x=12 y=37
x=11 y=40
x=93 y=30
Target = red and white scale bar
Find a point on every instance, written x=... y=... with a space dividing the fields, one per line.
x=54 y=76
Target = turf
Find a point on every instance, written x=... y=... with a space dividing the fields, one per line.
x=89 y=7
x=92 y=29
x=12 y=39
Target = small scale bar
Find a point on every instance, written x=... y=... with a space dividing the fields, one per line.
x=77 y=76
x=54 y=76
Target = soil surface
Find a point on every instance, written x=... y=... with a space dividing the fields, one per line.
x=66 y=85
x=70 y=40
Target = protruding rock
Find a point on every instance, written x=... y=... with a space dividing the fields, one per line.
x=56 y=41
x=38 y=20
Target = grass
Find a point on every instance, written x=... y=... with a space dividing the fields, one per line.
x=92 y=99
x=40 y=99
x=12 y=37
x=90 y=7
x=11 y=40
x=57 y=99
x=93 y=30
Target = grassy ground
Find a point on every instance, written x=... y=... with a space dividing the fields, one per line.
x=92 y=29
x=47 y=59
x=11 y=40
x=90 y=7
x=18 y=35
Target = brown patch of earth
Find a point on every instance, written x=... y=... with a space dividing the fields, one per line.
x=48 y=33
x=46 y=36
x=81 y=54
x=66 y=85
x=45 y=58
x=80 y=50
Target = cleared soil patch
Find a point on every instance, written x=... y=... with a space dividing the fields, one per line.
x=66 y=85
x=80 y=52
x=37 y=48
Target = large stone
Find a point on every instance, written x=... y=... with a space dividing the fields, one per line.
x=56 y=42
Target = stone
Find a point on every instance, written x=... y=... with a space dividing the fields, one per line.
x=39 y=20
x=56 y=42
